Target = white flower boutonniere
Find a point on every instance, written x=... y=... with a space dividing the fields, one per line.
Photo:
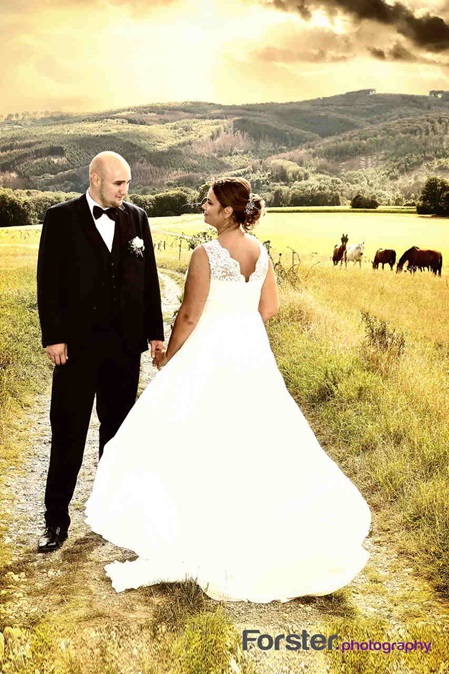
x=136 y=247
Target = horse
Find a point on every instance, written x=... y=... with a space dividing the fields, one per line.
x=354 y=254
x=383 y=257
x=340 y=250
x=418 y=258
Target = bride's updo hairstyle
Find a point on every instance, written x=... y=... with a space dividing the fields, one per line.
x=236 y=192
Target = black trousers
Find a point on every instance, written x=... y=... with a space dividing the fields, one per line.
x=104 y=369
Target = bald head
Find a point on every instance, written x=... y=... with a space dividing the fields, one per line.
x=109 y=178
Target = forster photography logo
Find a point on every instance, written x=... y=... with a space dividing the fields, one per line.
x=319 y=642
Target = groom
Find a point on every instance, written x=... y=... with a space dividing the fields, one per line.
x=99 y=305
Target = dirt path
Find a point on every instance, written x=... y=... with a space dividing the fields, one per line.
x=30 y=593
x=71 y=581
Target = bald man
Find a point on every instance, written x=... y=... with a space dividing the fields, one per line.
x=99 y=308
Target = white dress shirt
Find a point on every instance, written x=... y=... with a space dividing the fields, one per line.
x=105 y=224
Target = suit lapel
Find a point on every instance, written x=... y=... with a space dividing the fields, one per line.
x=131 y=266
x=125 y=229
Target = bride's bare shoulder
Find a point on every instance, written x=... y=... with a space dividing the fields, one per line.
x=199 y=261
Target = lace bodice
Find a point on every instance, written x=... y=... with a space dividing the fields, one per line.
x=223 y=267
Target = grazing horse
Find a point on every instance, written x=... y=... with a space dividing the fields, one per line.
x=384 y=257
x=418 y=258
x=354 y=254
x=340 y=250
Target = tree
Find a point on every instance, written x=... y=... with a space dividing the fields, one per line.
x=145 y=201
x=362 y=201
x=279 y=197
x=443 y=205
x=43 y=200
x=174 y=202
x=15 y=210
x=434 y=199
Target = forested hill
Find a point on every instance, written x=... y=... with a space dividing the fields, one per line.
x=383 y=143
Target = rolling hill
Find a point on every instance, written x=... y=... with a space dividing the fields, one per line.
x=384 y=143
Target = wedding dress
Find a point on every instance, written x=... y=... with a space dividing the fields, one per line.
x=216 y=475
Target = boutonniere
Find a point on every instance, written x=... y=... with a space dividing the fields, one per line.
x=136 y=247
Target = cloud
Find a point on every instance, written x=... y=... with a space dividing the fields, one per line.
x=100 y=54
x=304 y=44
x=396 y=53
x=428 y=31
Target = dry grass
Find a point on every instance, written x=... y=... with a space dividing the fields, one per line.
x=381 y=412
x=376 y=392
x=386 y=658
x=22 y=363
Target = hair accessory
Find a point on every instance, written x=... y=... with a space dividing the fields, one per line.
x=250 y=206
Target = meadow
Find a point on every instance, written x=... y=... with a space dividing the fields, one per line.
x=366 y=355
x=312 y=233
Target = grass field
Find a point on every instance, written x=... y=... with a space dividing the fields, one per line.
x=313 y=235
x=366 y=355
x=22 y=364
x=376 y=387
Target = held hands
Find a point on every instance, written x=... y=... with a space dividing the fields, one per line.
x=163 y=360
x=158 y=353
x=57 y=353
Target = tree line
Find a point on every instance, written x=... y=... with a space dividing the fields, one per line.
x=28 y=207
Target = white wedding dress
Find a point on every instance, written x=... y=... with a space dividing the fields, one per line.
x=216 y=475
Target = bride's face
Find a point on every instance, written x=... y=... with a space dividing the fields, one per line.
x=214 y=213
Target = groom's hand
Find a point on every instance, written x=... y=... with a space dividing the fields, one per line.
x=57 y=353
x=157 y=350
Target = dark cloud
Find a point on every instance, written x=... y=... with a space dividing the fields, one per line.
x=378 y=54
x=292 y=43
x=429 y=31
x=397 y=53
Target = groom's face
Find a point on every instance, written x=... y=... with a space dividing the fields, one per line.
x=113 y=184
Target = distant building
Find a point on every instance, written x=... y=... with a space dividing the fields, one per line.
x=439 y=93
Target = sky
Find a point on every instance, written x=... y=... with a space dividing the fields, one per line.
x=87 y=55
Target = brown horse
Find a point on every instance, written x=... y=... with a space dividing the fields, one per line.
x=384 y=257
x=339 y=251
x=417 y=258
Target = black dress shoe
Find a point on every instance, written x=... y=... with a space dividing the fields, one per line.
x=52 y=539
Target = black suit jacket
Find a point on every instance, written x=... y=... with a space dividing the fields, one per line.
x=72 y=277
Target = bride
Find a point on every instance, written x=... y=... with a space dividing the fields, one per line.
x=215 y=473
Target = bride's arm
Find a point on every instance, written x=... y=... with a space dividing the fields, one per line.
x=269 y=300
x=196 y=290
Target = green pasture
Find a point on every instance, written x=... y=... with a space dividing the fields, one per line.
x=313 y=235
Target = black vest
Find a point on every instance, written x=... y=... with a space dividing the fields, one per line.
x=107 y=308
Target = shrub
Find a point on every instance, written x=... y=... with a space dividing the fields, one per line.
x=16 y=210
x=361 y=201
x=174 y=202
x=197 y=239
x=145 y=201
x=382 y=346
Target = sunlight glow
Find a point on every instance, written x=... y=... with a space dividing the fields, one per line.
x=70 y=56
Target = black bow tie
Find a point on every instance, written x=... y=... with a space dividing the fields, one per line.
x=110 y=212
